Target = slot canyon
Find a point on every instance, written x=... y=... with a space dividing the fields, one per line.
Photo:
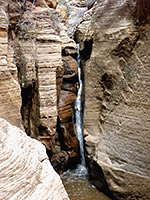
x=74 y=100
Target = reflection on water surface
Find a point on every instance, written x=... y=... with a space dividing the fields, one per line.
x=79 y=187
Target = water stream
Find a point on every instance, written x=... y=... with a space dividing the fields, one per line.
x=78 y=111
x=79 y=187
x=77 y=181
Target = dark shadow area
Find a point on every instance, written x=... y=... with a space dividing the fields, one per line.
x=98 y=179
x=27 y=95
x=141 y=15
x=86 y=52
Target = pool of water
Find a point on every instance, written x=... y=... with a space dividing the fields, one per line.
x=78 y=185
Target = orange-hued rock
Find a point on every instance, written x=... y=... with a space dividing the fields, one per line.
x=26 y=172
x=66 y=105
x=70 y=69
x=65 y=126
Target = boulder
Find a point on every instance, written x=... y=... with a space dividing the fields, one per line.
x=26 y=172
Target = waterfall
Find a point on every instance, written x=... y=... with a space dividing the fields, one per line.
x=78 y=112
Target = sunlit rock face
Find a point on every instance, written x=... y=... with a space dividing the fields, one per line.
x=31 y=59
x=10 y=98
x=32 y=41
x=116 y=113
x=26 y=172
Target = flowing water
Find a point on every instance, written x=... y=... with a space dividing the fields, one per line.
x=78 y=112
x=77 y=181
x=79 y=187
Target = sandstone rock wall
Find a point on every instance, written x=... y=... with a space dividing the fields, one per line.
x=37 y=54
x=116 y=116
x=25 y=170
x=32 y=44
x=10 y=97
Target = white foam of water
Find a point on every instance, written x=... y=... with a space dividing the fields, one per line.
x=78 y=112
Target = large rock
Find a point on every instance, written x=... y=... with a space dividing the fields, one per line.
x=26 y=172
x=117 y=114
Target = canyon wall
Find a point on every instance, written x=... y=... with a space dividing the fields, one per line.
x=38 y=85
x=37 y=68
x=10 y=98
x=26 y=172
x=117 y=96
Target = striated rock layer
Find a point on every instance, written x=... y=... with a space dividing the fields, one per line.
x=117 y=96
x=25 y=170
x=30 y=58
x=10 y=98
x=32 y=41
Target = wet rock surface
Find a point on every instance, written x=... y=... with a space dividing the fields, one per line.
x=66 y=124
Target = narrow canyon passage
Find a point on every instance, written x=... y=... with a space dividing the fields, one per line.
x=88 y=104
x=76 y=181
